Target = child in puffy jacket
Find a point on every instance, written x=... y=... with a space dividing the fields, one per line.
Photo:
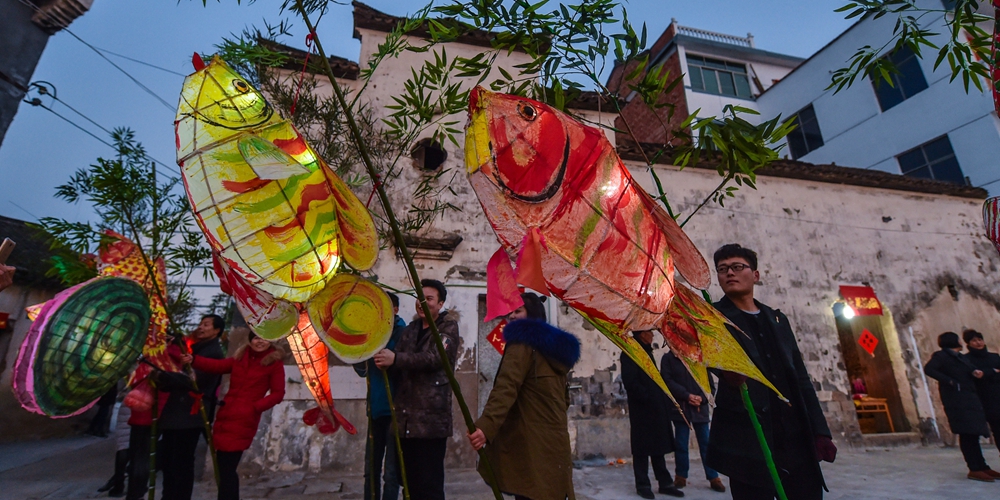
x=256 y=383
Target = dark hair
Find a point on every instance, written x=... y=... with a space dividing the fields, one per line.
x=735 y=250
x=948 y=340
x=393 y=298
x=534 y=306
x=437 y=285
x=251 y=334
x=970 y=334
x=217 y=322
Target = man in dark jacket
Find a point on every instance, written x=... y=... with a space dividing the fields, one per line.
x=988 y=387
x=423 y=394
x=381 y=442
x=649 y=423
x=693 y=410
x=796 y=431
x=180 y=420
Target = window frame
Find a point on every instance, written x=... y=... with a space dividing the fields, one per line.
x=902 y=87
x=930 y=164
x=719 y=68
x=800 y=133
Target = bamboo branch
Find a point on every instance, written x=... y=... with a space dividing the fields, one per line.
x=400 y=244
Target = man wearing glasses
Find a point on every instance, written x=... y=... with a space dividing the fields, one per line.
x=796 y=431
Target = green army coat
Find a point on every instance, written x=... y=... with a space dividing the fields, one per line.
x=524 y=419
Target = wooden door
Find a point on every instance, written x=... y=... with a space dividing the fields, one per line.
x=875 y=369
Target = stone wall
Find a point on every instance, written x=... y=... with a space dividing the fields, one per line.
x=923 y=254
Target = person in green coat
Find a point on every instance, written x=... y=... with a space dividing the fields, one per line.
x=524 y=423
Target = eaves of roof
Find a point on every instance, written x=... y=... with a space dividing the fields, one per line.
x=365 y=17
x=31 y=256
x=342 y=68
x=831 y=174
x=729 y=50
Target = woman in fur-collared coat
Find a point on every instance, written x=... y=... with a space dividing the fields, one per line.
x=524 y=423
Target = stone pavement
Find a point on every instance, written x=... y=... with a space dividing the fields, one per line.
x=74 y=469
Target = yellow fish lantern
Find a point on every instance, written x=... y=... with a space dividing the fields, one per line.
x=279 y=219
x=559 y=197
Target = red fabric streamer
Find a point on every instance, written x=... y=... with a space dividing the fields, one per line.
x=502 y=294
x=302 y=77
x=375 y=185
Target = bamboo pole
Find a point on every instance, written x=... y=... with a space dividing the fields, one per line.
x=395 y=434
x=763 y=442
x=400 y=244
x=151 y=489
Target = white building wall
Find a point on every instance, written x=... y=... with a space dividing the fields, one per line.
x=712 y=105
x=857 y=133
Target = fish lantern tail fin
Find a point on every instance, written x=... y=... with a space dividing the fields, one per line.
x=317 y=417
x=632 y=349
x=352 y=316
x=701 y=337
x=343 y=422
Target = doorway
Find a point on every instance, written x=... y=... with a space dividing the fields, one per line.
x=872 y=379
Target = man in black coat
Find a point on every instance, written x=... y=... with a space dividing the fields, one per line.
x=694 y=411
x=422 y=394
x=988 y=387
x=957 y=376
x=796 y=431
x=180 y=419
x=649 y=422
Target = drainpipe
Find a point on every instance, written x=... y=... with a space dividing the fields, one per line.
x=923 y=377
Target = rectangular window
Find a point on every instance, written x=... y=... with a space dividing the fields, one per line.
x=806 y=137
x=905 y=84
x=932 y=160
x=717 y=77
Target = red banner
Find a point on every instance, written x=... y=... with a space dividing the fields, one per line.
x=862 y=299
x=495 y=337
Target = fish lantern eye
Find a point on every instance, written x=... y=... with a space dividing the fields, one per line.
x=241 y=85
x=527 y=111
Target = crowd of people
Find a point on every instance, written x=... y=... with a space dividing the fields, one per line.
x=523 y=429
x=969 y=385
x=186 y=406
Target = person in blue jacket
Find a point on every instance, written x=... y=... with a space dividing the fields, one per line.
x=381 y=443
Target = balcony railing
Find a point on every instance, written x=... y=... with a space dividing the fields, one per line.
x=713 y=36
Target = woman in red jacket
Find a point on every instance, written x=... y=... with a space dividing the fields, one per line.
x=255 y=371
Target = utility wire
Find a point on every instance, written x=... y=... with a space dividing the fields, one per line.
x=119 y=68
x=106 y=51
x=98 y=51
x=38 y=102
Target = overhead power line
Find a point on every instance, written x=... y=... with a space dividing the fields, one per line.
x=42 y=89
x=172 y=72
x=100 y=53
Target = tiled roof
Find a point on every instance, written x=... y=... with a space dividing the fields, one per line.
x=31 y=255
x=368 y=18
x=342 y=68
x=832 y=174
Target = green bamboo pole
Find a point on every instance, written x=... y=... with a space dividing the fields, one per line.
x=369 y=444
x=400 y=244
x=151 y=490
x=763 y=442
x=395 y=433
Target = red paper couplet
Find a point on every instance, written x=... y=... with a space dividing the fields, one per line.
x=868 y=342
x=495 y=338
x=862 y=299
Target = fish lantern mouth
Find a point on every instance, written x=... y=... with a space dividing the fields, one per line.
x=477 y=139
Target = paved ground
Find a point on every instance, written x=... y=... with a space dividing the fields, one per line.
x=75 y=468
